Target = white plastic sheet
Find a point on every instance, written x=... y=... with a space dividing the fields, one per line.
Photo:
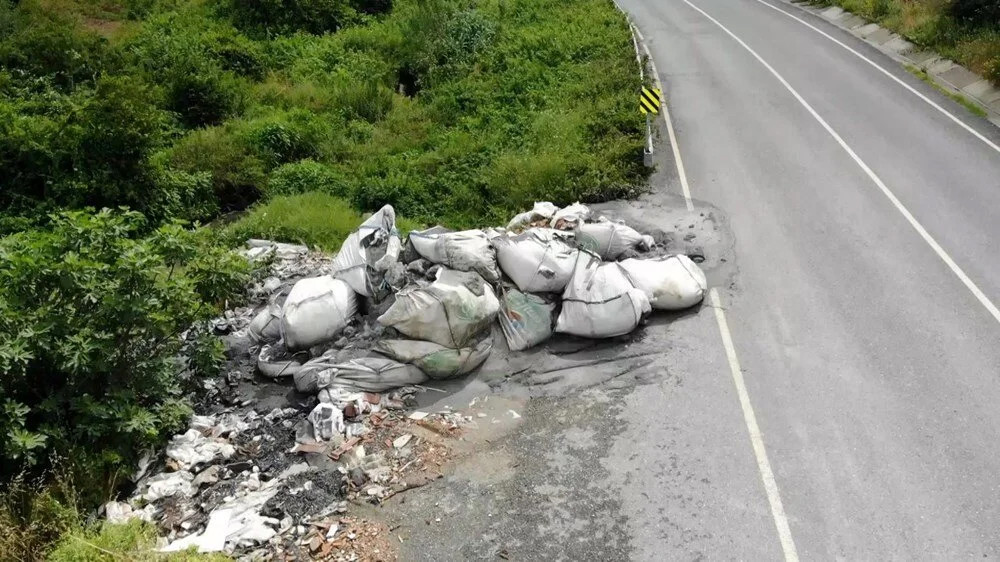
x=446 y=312
x=437 y=361
x=671 y=283
x=316 y=310
x=600 y=302
x=526 y=319
x=351 y=263
x=537 y=262
x=192 y=448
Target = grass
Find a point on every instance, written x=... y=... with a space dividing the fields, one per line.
x=316 y=219
x=930 y=24
x=973 y=107
x=134 y=541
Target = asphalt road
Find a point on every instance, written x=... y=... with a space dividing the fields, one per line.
x=873 y=370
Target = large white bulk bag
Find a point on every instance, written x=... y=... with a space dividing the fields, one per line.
x=526 y=319
x=671 y=282
x=266 y=325
x=316 y=310
x=365 y=374
x=600 y=302
x=352 y=261
x=537 y=263
x=446 y=312
x=468 y=250
x=609 y=239
x=437 y=361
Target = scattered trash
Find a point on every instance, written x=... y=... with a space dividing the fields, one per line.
x=670 y=283
x=600 y=302
x=276 y=483
x=316 y=311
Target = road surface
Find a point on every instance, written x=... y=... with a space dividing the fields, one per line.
x=873 y=369
x=853 y=223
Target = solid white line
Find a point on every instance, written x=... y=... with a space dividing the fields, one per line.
x=969 y=284
x=685 y=188
x=978 y=135
x=763 y=465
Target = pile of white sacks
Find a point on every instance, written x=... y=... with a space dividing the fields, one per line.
x=550 y=270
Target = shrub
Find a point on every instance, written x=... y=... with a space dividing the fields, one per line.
x=304 y=176
x=976 y=13
x=202 y=94
x=89 y=317
x=277 y=17
x=45 y=42
x=237 y=172
x=364 y=100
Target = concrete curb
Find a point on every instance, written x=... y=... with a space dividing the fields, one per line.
x=944 y=72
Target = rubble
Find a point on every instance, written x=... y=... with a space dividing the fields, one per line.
x=345 y=345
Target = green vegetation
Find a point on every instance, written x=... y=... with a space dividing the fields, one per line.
x=967 y=31
x=316 y=219
x=958 y=98
x=300 y=115
x=452 y=111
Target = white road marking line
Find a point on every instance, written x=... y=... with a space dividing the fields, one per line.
x=763 y=465
x=941 y=253
x=685 y=188
x=978 y=135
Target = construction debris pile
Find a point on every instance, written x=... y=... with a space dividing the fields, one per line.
x=358 y=336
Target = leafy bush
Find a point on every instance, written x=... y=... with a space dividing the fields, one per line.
x=237 y=172
x=977 y=13
x=35 y=512
x=304 y=176
x=203 y=94
x=89 y=324
x=43 y=42
x=275 y=17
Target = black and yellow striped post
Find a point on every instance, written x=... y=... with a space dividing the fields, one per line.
x=649 y=101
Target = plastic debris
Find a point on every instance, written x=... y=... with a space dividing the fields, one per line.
x=168 y=484
x=192 y=448
x=326 y=421
x=316 y=310
x=670 y=283
x=274 y=362
x=366 y=374
x=600 y=302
